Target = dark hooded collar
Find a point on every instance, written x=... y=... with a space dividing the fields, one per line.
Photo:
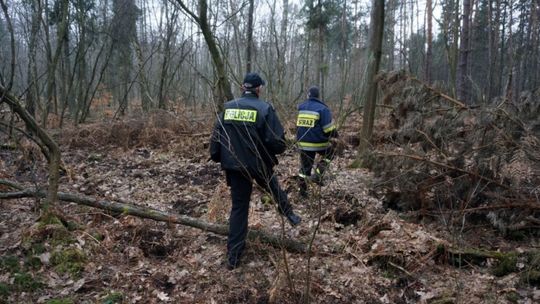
x=248 y=93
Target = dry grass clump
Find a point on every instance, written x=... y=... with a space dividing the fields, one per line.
x=158 y=129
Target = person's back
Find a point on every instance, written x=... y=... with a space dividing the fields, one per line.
x=314 y=125
x=252 y=135
x=314 y=130
x=246 y=139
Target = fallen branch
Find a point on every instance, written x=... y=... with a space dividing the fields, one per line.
x=442 y=165
x=154 y=214
x=11 y=184
x=453 y=100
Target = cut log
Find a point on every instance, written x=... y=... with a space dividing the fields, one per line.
x=154 y=214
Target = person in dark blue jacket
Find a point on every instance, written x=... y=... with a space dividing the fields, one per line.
x=246 y=139
x=314 y=130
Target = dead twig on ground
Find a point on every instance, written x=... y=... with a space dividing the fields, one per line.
x=154 y=214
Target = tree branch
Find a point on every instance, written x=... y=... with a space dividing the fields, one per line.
x=52 y=146
x=154 y=214
x=187 y=10
x=442 y=165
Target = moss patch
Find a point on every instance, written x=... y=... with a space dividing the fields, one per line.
x=531 y=274
x=41 y=234
x=26 y=282
x=9 y=263
x=60 y=301
x=530 y=277
x=70 y=261
x=32 y=262
x=37 y=248
x=50 y=219
x=5 y=290
x=507 y=264
x=512 y=297
x=113 y=297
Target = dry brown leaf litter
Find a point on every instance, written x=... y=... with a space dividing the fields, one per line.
x=149 y=262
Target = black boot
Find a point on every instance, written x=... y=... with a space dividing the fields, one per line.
x=293 y=218
x=233 y=261
x=302 y=184
x=317 y=179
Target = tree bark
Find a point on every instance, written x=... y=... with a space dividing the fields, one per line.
x=249 y=36
x=62 y=27
x=223 y=84
x=171 y=18
x=157 y=215
x=53 y=153
x=146 y=98
x=321 y=38
x=429 y=38
x=374 y=59
x=463 y=83
x=80 y=62
x=32 y=95
x=12 y=44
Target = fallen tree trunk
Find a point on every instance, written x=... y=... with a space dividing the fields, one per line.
x=154 y=214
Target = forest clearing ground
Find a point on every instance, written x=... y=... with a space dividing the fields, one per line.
x=383 y=258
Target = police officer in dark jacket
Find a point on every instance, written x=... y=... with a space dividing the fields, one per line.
x=246 y=139
x=314 y=130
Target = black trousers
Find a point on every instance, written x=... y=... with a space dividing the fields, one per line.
x=307 y=159
x=241 y=185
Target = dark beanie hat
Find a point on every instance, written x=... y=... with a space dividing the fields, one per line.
x=253 y=80
x=313 y=92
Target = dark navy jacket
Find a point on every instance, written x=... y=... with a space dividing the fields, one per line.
x=314 y=125
x=247 y=136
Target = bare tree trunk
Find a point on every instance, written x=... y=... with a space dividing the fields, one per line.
x=321 y=66
x=238 y=38
x=53 y=152
x=53 y=64
x=11 y=44
x=163 y=87
x=91 y=90
x=80 y=62
x=249 y=43
x=374 y=59
x=534 y=45
x=146 y=98
x=502 y=52
x=32 y=96
x=343 y=43
x=491 y=49
x=224 y=86
x=463 y=82
x=429 y=39
x=509 y=88
x=450 y=29
x=67 y=77
x=282 y=67
x=307 y=62
x=530 y=60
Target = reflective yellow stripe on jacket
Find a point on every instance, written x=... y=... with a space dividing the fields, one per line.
x=329 y=127
x=313 y=146
x=307 y=119
x=240 y=115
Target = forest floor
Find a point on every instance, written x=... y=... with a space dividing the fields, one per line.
x=94 y=256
